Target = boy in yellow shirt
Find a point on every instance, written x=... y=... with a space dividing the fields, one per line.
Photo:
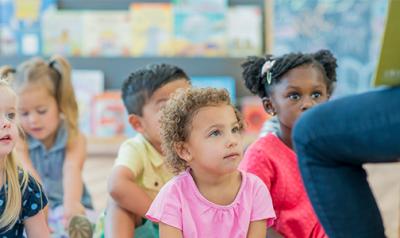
x=139 y=171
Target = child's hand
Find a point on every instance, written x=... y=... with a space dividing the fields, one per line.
x=71 y=210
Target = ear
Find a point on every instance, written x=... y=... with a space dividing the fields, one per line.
x=181 y=148
x=268 y=106
x=136 y=122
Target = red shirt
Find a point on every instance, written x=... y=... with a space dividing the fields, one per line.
x=276 y=164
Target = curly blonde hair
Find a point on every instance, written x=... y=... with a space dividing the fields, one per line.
x=177 y=118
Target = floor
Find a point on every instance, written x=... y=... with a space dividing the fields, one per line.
x=384 y=179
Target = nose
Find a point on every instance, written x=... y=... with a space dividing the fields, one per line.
x=32 y=118
x=5 y=124
x=232 y=140
x=308 y=103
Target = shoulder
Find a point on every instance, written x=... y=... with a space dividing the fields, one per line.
x=33 y=198
x=132 y=145
x=265 y=148
x=252 y=180
x=179 y=182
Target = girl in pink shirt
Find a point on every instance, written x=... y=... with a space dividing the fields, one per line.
x=201 y=133
x=288 y=85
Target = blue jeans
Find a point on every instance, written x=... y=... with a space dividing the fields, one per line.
x=333 y=141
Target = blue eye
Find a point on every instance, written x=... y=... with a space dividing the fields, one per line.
x=294 y=96
x=215 y=133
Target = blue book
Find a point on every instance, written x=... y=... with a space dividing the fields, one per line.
x=225 y=82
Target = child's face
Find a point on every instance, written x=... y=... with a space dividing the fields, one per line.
x=8 y=125
x=299 y=90
x=39 y=113
x=150 y=125
x=215 y=144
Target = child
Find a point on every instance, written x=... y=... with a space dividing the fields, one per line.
x=201 y=134
x=21 y=197
x=288 y=85
x=55 y=149
x=139 y=170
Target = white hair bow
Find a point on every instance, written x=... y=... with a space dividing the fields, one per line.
x=266 y=68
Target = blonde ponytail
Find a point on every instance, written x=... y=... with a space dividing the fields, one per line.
x=65 y=94
x=13 y=194
x=56 y=76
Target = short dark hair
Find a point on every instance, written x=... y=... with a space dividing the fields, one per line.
x=323 y=60
x=141 y=84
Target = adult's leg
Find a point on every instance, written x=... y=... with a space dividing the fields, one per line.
x=332 y=142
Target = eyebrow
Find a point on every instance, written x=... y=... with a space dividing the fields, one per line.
x=221 y=125
x=295 y=87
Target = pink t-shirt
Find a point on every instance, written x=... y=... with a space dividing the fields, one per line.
x=181 y=205
x=276 y=164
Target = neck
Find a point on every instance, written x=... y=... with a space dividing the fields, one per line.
x=285 y=134
x=213 y=180
x=49 y=141
x=218 y=189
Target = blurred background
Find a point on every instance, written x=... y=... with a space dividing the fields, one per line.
x=105 y=40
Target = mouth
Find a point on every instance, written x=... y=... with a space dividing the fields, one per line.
x=36 y=129
x=232 y=156
x=6 y=138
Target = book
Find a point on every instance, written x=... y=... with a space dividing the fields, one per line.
x=199 y=33
x=244 y=31
x=108 y=115
x=152 y=26
x=225 y=82
x=87 y=84
x=202 y=5
x=62 y=33
x=388 y=69
x=107 y=33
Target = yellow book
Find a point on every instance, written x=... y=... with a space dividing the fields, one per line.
x=388 y=70
x=152 y=25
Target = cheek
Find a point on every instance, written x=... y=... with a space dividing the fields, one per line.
x=24 y=122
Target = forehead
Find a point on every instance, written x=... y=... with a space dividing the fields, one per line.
x=209 y=115
x=302 y=77
x=8 y=97
x=167 y=89
x=35 y=94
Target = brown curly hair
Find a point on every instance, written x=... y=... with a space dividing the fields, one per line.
x=177 y=118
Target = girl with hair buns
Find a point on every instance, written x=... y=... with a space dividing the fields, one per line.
x=288 y=85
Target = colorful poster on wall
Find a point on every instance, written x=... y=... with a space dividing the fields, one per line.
x=353 y=38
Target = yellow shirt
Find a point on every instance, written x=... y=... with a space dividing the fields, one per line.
x=147 y=165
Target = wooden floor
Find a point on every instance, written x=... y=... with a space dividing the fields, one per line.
x=384 y=179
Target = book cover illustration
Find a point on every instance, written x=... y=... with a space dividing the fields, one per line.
x=199 y=33
x=244 y=31
x=62 y=33
x=107 y=33
x=152 y=26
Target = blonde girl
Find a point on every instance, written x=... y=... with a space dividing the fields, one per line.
x=201 y=134
x=54 y=150
x=21 y=198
